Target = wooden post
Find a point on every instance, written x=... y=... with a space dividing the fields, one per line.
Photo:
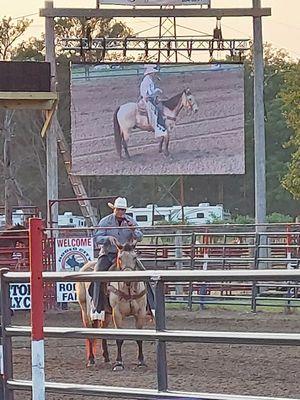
x=8 y=198
x=259 y=120
x=51 y=139
x=259 y=132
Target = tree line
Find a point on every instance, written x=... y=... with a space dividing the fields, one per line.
x=236 y=192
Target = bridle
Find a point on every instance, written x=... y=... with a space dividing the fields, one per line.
x=122 y=295
x=188 y=105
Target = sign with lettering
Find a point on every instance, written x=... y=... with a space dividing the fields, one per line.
x=19 y=296
x=71 y=255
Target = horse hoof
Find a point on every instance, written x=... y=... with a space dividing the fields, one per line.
x=141 y=364
x=118 y=367
x=90 y=363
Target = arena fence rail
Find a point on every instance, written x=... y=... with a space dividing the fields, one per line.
x=161 y=335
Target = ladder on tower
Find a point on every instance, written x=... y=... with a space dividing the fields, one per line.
x=76 y=182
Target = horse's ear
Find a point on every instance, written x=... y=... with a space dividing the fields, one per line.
x=187 y=91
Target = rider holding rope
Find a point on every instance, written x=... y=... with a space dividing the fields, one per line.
x=149 y=93
x=112 y=232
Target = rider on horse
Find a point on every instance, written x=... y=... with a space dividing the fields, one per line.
x=149 y=93
x=111 y=233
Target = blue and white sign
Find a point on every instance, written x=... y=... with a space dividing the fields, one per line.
x=71 y=255
x=19 y=296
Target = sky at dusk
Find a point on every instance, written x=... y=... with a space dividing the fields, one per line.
x=282 y=29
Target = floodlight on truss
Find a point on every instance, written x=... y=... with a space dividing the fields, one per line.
x=148 y=46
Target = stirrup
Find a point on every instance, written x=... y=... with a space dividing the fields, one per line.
x=97 y=316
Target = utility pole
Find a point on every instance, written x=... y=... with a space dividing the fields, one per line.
x=51 y=138
x=259 y=134
x=259 y=121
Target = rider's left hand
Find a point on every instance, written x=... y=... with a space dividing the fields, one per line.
x=130 y=225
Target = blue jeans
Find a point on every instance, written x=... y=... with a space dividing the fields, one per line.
x=96 y=289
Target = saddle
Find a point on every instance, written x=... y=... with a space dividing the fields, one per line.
x=141 y=107
x=155 y=119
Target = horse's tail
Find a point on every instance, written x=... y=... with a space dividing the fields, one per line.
x=117 y=132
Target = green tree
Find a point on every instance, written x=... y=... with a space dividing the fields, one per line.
x=290 y=95
x=32 y=49
x=10 y=32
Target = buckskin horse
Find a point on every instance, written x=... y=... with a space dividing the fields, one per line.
x=128 y=116
x=124 y=299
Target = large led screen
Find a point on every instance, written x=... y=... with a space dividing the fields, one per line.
x=169 y=119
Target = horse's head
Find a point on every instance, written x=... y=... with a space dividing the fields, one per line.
x=189 y=101
x=126 y=260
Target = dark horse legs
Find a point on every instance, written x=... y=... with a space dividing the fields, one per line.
x=126 y=149
x=119 y=365
x=141 y=361
x=166 y=140
x=92 y=346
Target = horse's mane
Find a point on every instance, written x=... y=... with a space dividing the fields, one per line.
x=172 y=102
x=128 y=247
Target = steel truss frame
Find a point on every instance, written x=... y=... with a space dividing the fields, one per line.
x=151 y=46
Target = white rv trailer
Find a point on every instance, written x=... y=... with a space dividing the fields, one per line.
x=70 y=220
x=204 y=213
x=65 y=220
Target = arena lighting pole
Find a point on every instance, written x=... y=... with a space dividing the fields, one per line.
x=37 y=308
x=259 y=130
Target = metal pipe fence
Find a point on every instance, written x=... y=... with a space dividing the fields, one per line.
x=161 y=335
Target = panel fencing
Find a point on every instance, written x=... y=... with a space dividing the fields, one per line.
x=160 y=335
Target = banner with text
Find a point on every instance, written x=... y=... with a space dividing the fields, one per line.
x=19 y=296
x=71 y=255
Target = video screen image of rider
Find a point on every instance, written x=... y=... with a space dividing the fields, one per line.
x=150 y=119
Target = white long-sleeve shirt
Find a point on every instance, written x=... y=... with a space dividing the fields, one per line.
x=147 y=87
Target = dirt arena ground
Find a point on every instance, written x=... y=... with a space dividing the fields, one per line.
x=209 y=142
x=231 y=369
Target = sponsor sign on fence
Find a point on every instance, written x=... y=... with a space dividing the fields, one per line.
x=19 y=296
x=71 y=255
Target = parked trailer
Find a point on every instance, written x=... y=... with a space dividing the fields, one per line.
x=204 y=213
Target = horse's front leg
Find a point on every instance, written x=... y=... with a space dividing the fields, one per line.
x=139 y=324
x=105 y=353
x=118 y=319
x=89 y=343
x=160 y=149
x=167 y=141
x=90 y=353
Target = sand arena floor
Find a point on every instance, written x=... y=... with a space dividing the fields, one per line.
x=232 y=369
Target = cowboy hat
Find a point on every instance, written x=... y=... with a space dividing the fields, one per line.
x=120 y=202
x=150 y=69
